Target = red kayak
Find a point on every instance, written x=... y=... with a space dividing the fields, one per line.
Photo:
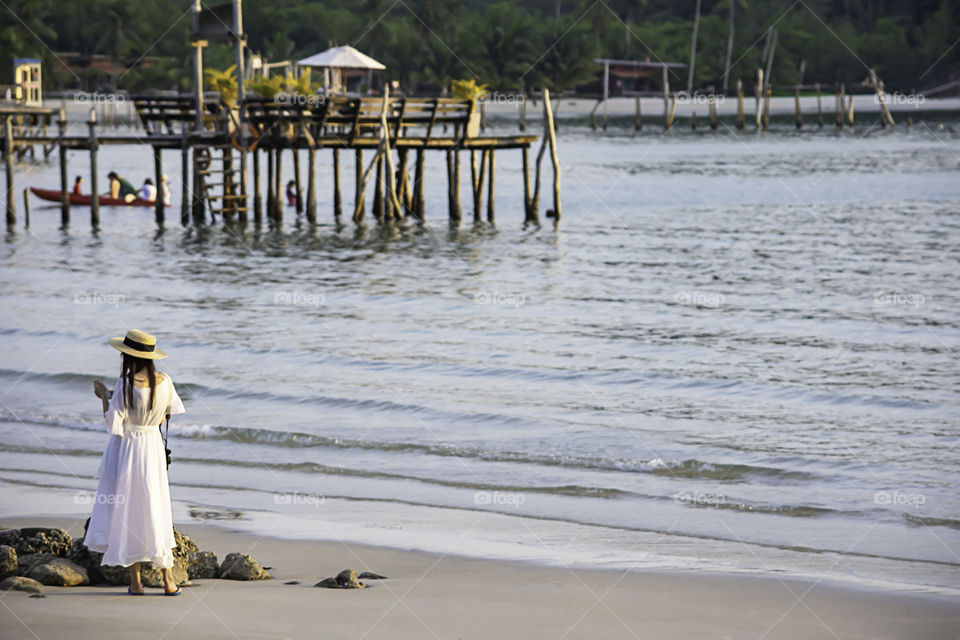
x=105 y=201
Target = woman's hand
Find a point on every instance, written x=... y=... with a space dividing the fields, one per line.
x=100 y=390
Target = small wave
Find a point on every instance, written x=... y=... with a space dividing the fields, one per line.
x=922 y=521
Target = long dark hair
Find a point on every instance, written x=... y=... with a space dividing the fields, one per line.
x=132 y=364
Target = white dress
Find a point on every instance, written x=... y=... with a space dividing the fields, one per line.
x=132 y=519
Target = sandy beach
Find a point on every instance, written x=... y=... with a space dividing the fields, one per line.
x=438 y=596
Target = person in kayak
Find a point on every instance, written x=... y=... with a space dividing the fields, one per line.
x=121 y=188
x=78 y=186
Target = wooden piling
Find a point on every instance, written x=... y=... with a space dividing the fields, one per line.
x=271 y=180
x=64 y=177
x=184 y=173
x=665 y=83
x=490 y=169
x=280 y=196
x=740 y=119
x=759 y=95
x=403 y=183
x=197 y=191
x=418 y=187
x=94 y=201
x=358 y=196
x=552 y=137
x=311 y=185
x=850 y=109
x=593 y=115
x=158 y=207
x=337 y=197
x=529 y=214
x=838 y=106
x=378 y=208
x=296 y=180
x=458 y=213
x=819 y=106
x=798 y=114
x=476 y=181
x=766 y=107
x=712 y=109
x=26 y=207
x=638 y=117
x=693 y=121
x=257 y=195
x=228 y=205
x=523 y=112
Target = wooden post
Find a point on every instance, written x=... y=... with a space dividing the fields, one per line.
x=638 y=118
x=311 y=185
x=552 y=137
x=418 y=186
x=759 y=92
x=296 y=179
x=449 y=155
x=491 y=164
x=606 y=91
x=766 y=107
x=378 y=208
x=358 y=193
x=476 y=181
x=197 y=192
x=483 y=114
x=158 y=205
x=26 y=207
x=228 y=204
x=184 y=176
x=819 y=107
x=838 y=106
x=712 y=106
x=458 y=213
x=64 y=178
x=279 y=199
x=529 y=214
x=94 y=200
x=740 y=119
x=406 y=199
x=667 y=120
x=593 y=115
x=271 y=180
x=850 y=109
x=337 y=198
x=523 y=112
x=257 y=195
x=885 y=117
x=693 y=121
x=796 y=107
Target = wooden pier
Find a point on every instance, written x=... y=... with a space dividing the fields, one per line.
x=398 y=132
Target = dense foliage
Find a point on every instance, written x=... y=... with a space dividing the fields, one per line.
x=426 y=44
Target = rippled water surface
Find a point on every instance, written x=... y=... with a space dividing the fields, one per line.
x=737 y=352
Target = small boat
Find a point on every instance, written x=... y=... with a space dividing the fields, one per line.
x=84 y=199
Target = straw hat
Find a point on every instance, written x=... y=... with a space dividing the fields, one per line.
x=138 y=343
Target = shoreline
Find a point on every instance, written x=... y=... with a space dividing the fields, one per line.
x=445 y=595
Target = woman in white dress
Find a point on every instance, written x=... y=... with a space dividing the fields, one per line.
x=132 y=519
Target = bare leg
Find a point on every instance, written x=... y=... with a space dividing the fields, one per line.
x=169 y=585
x=135 y=584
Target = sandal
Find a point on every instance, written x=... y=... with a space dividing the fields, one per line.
x=134 y=593
x=173 y=593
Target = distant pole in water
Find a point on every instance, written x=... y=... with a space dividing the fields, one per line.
x=759 y=94
x=796 y=106
x=850 y=109
x=667 y=120
x=740 y=119
x=94 y=200
x=766 y=107
x=606 y=90
x=552 y=137
x=490 y=162
x=311 y=185
x=257 y=194
x=712 y=108
x=337 y=197
x=158 y=182
x=26 y=207
x=838 y=102
x=638 y=118
x=184 y=173
x=819 y=106
x=693 y=120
